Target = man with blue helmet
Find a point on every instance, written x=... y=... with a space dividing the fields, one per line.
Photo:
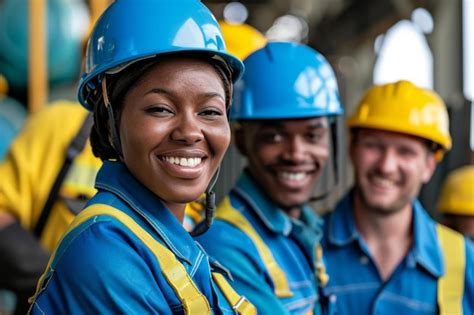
x=160 y=88
x=265 y=233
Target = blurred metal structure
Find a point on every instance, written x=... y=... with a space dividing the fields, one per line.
x=38 y=63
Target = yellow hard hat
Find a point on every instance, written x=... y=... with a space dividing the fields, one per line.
x=241 y=39
x=457 y=193
x=403 y=107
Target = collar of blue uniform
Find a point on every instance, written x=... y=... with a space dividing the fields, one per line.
x=425 y=250
x=273 y=217
x=115 y=178
x=342 y=230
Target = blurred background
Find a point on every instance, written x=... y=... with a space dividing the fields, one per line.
x=367 y=41
x=429 y=42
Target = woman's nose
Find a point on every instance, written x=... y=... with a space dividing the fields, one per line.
x=187 y=130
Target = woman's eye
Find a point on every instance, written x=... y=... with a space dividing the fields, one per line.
x=158 y=110
x=210 y=113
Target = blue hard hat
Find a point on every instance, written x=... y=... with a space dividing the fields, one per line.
x=286 y=80
x=131 y=30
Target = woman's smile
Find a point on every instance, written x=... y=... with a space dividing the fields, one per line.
x=183 y=167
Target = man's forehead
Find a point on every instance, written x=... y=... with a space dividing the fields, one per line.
x=312 y=122
x=389 y=135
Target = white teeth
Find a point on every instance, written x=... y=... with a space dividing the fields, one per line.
x=383 y=182
x=189 y=162
x=292 y=175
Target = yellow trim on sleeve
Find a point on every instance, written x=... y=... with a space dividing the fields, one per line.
x=194 y=302
x=227 y=213
x=451 y=284
x=320 y=267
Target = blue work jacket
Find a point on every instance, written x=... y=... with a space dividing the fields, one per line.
x=411 y=289
x=291 y=242
x=101 y=267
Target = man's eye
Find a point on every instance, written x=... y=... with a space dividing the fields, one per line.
x=271 y=137
x=314 y=137
x=371 y=144
x=407 y=152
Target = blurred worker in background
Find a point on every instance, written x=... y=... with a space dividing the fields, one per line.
x=160 y=90
x=241 y=39
x=65 y=25
x=49 y=170
x=456 y=202
x=385 y=254
x=12 y=117
x=265 y=232
x=33 y=187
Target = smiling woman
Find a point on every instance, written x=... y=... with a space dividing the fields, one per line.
x=173 y=129
x=160 y=89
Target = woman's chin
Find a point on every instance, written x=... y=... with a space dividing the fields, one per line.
x=184 y=198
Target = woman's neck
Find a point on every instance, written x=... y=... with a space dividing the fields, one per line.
x=177 y=209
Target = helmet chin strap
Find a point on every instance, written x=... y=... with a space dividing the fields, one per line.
x=113 y=138
x=210 y=207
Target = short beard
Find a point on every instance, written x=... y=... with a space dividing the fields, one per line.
x=381 y=211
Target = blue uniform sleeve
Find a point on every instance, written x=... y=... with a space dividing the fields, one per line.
x=236 y=252
x=468 y=301
x=103 y=269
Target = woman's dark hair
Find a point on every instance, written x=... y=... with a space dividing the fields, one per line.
x=117 y=87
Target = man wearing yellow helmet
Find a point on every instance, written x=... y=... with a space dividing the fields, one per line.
x=242 y=39
x=456 y=202
x=395 y=257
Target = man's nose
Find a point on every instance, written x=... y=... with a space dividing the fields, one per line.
x=295 y=149
x=388 y=160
